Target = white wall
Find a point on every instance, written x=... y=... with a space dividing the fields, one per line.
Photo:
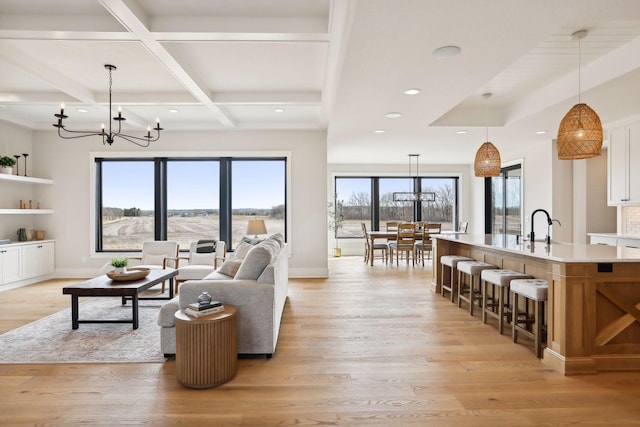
x=68 y=164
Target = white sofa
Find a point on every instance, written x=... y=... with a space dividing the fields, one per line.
x=258 y=291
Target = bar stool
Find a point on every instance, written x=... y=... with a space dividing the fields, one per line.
x=450 y=261
x=473 y=270
x=535 y=290
x=501 y=279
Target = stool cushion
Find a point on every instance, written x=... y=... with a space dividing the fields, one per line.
x=453 y=260
x=502 y=277
x=474 y=267
x=534 y=289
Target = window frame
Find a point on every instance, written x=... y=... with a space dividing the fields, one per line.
x=417 y=185
x=160 y=197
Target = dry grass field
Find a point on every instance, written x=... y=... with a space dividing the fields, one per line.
x=130 y=232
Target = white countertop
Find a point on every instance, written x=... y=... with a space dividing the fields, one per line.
x=622 y=236
x=563 y=252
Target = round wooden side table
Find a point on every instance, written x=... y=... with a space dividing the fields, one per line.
x=206 y=348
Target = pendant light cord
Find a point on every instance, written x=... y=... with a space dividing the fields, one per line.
x=579 y=62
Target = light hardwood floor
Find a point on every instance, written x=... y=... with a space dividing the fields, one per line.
x=371 y=346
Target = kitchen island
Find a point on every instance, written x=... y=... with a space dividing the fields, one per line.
x=593 y=307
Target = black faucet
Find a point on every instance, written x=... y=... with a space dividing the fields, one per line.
x=549 y=221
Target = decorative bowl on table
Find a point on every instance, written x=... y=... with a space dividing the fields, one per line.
x=134 y=273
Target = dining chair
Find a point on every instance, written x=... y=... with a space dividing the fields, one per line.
x=405 y=242
x=425 y=245
x=382 y=247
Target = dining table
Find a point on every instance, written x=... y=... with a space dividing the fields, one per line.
x=389 y=235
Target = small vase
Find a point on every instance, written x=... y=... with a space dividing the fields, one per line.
x=204 y=298
x=337 y=252
x=8 y=170
x=120 y=270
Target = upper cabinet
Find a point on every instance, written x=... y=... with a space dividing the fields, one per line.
x=623 y=161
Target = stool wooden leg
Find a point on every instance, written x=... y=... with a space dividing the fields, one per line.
x=538 y=328
x=484 y=286
x=460 y=285
x=453 y=284
x=500 y=309
x=514 y=319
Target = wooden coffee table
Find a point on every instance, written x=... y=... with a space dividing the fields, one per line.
x=104 y=287
x=206 y=348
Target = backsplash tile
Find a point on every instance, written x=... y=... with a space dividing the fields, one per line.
x=632 y=220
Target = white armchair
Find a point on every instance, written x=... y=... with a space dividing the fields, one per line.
x=200 y=265
x=158 y=255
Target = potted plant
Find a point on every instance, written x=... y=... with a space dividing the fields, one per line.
x=119 y=265
x=336 y=220
x=6 y=165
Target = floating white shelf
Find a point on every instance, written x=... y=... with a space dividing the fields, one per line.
x=25 y=179
x=25 y=211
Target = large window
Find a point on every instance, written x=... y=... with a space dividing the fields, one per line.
x=503 y=195
x=128 y=216
x=257 y=193
x=193 y=200
x=353 y=198
x=186 y=200
x=370 y=200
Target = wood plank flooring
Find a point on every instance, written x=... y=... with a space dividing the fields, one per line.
x=371 y=346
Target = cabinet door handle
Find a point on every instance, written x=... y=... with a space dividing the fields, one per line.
x=624 y=200
x=39 y=246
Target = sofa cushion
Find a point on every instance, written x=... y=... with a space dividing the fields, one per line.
x=230 y=266
x=267 y=276
x=216 y=275
x=255 y=262
x=278 y=237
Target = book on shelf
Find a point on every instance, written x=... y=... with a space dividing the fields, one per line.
x=199 y=307
x=195 y=313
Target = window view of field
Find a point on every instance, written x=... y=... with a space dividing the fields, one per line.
x=193 y=198
x=353 y=201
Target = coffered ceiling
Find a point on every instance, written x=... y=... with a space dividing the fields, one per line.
x=335 y=65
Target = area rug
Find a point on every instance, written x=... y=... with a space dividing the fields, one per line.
x=51 y=339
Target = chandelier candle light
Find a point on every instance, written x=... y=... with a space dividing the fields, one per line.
x=580 y=132
x=487 y=162
x=108 y=137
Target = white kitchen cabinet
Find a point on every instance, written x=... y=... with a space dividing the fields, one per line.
x=603 y=240
x=10 y=265
x=38 y=259
x=624 y=173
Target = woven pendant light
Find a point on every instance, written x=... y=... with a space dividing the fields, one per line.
x=580 y=132
x=487 y=162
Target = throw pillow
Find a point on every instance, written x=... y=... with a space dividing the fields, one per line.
x=255 y=262
x=230 y=267
x=206 y=246
x=251 y=241
x=242 y=250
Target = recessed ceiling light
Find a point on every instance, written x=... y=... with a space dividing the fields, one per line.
x=446 y=51
x=173 y=110
x=379 y=131
x=541 y=132
x=461 y=131
x=279 y=110
x=82 y=110
x=393 y=115
x=413 y=91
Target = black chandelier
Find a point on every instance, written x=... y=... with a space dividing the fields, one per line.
x=108 y=137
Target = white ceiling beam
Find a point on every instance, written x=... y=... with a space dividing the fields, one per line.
x=238 y=25
x=266 y=98
x=240 y=37
x=48 y=74
x=66 y=35
x=340 y=22
x=130 y=20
